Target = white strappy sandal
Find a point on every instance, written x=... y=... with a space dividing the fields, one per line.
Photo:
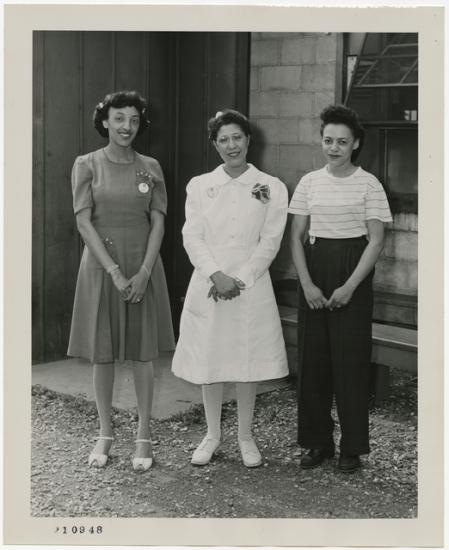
x=98 y=460
x=142 y=464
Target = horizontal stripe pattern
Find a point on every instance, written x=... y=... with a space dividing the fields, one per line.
x=340 y=207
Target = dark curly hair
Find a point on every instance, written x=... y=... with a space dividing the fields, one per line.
x=117 y=100
x=228 y=116
x=339 y=114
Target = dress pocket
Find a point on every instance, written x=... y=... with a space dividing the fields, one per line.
x=196 y=300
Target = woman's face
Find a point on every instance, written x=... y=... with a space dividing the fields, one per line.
x=338 y=143
x=122 y=124
x=232 y=145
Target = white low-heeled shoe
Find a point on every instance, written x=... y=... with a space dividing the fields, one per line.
x=98 y=460
x=142 y=464
x=204 y=452
x=250 y=453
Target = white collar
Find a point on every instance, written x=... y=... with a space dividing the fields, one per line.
x=248 y=176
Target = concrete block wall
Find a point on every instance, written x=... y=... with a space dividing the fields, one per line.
x=397 y=268
x=293 y=77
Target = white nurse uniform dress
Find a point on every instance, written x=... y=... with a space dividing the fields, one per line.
x=234 y=225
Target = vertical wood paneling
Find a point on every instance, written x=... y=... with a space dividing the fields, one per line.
x=98 y=80
x=241 y=63
x=191 y=145
x=160 y=96
x=131 y=68
x=226 y=54
x=62 y=121
x=38 y=207
x=162 y=130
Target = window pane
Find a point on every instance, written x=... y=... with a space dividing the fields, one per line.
x=402 y=161
x=385 y=104
x=389 y=70
x=369 y=156
x=385 y=83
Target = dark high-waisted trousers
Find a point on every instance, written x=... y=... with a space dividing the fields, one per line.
x=334 y=351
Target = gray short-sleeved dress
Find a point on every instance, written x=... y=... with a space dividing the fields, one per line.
x=104 y=327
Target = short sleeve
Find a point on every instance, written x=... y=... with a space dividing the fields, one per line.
x=159 y=197
x=299 y=203
x=376 y=205
x=82 y=176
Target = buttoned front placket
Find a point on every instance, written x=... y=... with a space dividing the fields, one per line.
x=237 y=188
x=234 y=206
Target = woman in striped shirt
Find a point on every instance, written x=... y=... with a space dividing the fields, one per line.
x=343 y=209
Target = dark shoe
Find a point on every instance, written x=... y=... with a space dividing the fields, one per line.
x=349 y=463
x=315 y=457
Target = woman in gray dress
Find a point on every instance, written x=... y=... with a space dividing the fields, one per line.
x=121 y=310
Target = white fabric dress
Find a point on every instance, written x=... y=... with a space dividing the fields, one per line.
x=229 y=229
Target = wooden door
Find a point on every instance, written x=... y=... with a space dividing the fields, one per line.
x=186 y=76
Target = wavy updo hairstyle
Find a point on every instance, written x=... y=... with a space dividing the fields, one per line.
x=117 y=100
x=339 y=114
x=228 y=116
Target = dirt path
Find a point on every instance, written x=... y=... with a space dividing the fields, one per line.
x=64 y=429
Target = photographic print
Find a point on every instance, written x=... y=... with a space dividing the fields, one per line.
x=222 y=255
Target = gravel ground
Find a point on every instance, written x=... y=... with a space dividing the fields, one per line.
x=64 y=431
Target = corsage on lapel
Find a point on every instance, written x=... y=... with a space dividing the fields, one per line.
x=261 y=193
x=144 y=182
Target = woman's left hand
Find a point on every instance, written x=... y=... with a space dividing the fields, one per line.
x=340 y=297
x=137 y=287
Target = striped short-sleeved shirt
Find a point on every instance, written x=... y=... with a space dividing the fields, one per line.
x=339 y=207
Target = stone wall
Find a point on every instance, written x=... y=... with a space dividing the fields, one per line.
x=397 y=268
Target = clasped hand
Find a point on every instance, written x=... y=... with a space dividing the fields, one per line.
x=316 y=299
x=133 y=289
x=224 y=287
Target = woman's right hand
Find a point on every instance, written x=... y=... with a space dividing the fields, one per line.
x=314 y=297
x=121 y=283
x=225 y=285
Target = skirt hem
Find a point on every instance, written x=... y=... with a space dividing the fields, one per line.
x=218 y=379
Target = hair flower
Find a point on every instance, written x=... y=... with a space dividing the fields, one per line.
x=261 y=192
x=218 y=114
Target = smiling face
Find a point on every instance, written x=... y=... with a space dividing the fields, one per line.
x=122 y=124
x=232 y=146
x=338 y=143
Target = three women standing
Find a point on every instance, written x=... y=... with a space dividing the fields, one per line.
x=230 y=329
x=121 y=310
x=344 y=209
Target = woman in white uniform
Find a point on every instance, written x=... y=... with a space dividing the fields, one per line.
x=230 y=329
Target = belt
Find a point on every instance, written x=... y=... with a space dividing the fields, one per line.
x=313 y=239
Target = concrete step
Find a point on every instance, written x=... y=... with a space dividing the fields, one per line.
x=392 y=346
x=171 y=394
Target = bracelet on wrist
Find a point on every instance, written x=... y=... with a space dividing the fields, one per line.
x=145 y=268
x=112 y=268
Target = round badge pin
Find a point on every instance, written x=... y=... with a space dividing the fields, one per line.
x=143 y=187
x=212 y=192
